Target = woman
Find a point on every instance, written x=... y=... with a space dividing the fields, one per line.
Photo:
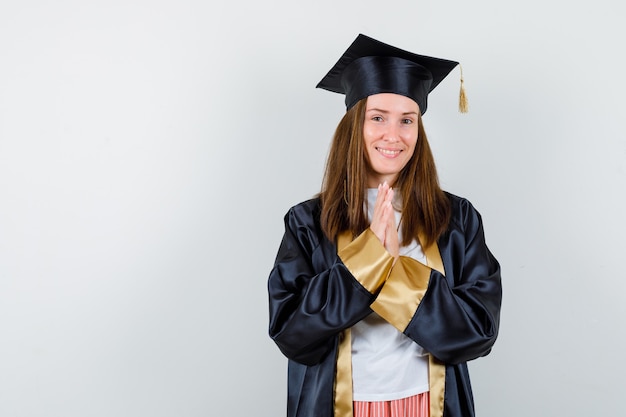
x=383 y=287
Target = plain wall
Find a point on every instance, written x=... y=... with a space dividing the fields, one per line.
x=149 y=150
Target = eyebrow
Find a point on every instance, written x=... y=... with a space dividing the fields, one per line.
x=386 y=111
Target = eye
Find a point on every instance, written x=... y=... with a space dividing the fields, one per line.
x=377 y=118
x=407 y=121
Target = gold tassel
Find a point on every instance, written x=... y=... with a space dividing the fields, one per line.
x=463 y=104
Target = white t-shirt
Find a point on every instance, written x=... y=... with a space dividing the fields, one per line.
x=386 y=364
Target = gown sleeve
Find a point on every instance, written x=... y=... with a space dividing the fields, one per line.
x=454 y=316
x=313 y=296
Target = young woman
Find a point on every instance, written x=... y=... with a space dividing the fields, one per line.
x=383 y=287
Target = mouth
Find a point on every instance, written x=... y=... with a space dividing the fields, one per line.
x=389 y=153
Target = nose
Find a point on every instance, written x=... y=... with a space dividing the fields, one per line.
x=392 y=133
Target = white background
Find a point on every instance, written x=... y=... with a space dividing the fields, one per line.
x=149 y=149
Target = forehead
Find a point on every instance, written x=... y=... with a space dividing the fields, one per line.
x=392 y=102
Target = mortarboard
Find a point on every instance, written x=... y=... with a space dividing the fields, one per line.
x=370 y=67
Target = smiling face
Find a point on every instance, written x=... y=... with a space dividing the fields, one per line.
x=390 y=133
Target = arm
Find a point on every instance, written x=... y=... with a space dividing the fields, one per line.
x=454 y=317
x=312 y=294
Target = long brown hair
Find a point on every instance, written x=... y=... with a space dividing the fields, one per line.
x=425 y=207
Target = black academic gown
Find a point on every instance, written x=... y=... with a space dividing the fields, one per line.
x=317 y=292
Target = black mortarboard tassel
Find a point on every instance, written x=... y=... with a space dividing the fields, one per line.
x=370 y=67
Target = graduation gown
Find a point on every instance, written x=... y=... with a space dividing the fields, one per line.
x=318 y=289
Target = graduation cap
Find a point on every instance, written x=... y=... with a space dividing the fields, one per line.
x=370 y=67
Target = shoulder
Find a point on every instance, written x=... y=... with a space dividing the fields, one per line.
x=463 y=213
x=304 y=214
x=308 y=206
x=303 y=223
x=306 y=209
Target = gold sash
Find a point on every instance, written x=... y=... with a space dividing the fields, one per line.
x=343 y=377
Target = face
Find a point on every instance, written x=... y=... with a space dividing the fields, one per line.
x=390 y=134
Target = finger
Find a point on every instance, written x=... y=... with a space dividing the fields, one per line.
x=389 y=195
x=378 y=204
x=380 y=198
x=387 y=215
x=383 y=211
x=378 y=225
x=391 y=236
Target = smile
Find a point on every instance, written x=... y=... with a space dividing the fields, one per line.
x=389 y=152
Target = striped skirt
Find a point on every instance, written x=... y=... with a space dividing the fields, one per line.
x=415 y=406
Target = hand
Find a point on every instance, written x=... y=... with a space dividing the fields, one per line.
x=392 y=243
x=384 y=221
